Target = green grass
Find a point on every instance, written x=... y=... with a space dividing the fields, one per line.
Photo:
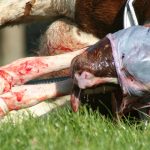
x=64 y=130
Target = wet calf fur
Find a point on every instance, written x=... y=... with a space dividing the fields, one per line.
x=99 y=61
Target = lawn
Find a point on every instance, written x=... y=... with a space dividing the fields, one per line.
x=62 y=129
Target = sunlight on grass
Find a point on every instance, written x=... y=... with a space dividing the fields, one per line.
x=63 y=129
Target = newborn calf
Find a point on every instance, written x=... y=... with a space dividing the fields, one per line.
x=121 y=58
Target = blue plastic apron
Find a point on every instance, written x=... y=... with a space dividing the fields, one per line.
x=131 y=51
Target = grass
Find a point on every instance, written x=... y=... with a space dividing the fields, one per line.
x=64 y=130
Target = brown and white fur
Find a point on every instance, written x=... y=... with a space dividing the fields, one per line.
x=95 y=17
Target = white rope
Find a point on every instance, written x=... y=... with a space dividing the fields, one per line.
x=130 y=17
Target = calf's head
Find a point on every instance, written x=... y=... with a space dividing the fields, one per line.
x=93 y=69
